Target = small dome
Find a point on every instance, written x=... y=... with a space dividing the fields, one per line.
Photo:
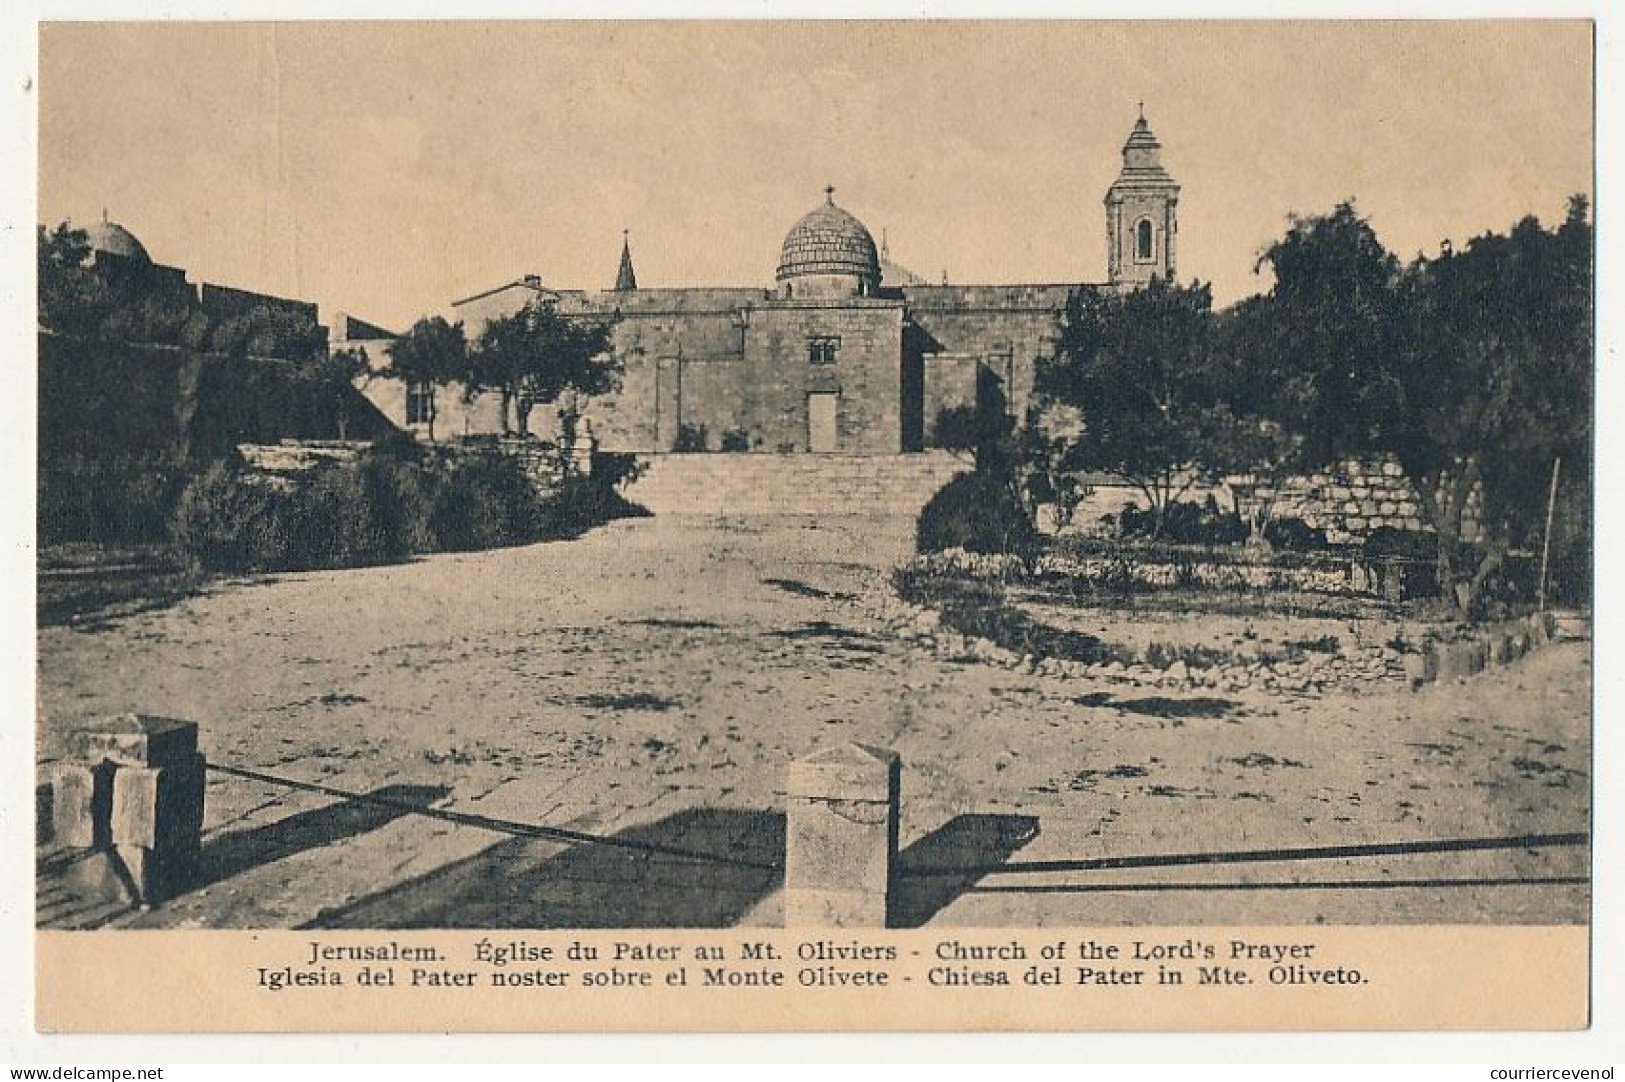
x=829 y=241
x=113 y=239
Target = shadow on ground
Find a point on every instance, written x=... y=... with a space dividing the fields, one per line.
x=44 y=826
x=1162 y=706
x=971 y=842
x=232 y=854
x=530 y=883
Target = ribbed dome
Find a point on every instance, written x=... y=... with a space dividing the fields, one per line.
x=114 y=239
x=829 y=241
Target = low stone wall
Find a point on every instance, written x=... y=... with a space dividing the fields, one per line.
x=290 y=460
x=1359 y=497
x=1350 y=502
x=1498 y=644
x=1329 y=574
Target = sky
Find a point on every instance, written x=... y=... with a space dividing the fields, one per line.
x=386 y=169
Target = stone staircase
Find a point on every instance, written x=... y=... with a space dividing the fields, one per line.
x=793 y=484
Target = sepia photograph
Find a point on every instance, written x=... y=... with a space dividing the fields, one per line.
x=840 y=477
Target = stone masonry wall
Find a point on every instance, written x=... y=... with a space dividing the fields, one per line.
x=1008 y=327
x=1360 y=497
x=778 y=375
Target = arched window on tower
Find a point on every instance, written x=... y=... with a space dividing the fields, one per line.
x=1144 y=240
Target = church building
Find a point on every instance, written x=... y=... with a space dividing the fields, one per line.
x=845 y=353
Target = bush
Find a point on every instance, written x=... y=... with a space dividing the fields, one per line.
x=691 y=438
x=484 y=502
x=977 y=512
x=380 y=508
x=1185 y=523
x=114 y=501
x=736 y=439
x=230 y=522
x=1385 y=541
x=1294 y=534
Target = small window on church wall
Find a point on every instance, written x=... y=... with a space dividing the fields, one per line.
x=1144 y=237
x=419 y=403
x=822 y=350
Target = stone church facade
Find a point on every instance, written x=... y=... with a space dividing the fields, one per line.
x=845 y=354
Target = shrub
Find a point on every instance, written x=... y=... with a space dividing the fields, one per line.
x=691 y=438
x=1409 y=544
x=977 y=512
x=1294 y=534
x=1185 y=523
x=110 y=502
x=230 y=522
x=736 y=439
x=485 y=501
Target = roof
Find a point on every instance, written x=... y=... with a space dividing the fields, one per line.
x=110 y=238
x=828 y=240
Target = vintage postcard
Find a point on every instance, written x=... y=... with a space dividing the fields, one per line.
x=788 y=525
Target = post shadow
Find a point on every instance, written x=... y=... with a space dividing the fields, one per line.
x=529 y=883
x=232 y=854
x=975 y=842
x=44 y=824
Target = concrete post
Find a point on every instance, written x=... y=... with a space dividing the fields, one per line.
x=146 y=803
x=841 y=837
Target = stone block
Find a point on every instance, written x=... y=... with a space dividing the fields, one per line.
x=1422 y=668
x=159 y=808
x=137 y=740
x=1462 y=659
x=81 y=804
x=841 y=837
x=1501 y=648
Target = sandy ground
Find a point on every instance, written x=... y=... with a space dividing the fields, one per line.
x=653 y=681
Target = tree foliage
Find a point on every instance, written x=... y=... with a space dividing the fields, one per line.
x=432 y=354
x=1139 y=370
x=133 y=303
x=1495 y=385
x=535 y=355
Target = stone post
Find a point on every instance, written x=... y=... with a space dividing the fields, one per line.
x=841 y=837
x=136 y=788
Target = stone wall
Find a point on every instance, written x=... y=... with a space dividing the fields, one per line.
x=1350 y=502
x=1357 y=498
x=778 y=376
x=1009 y=327
x=950 y=383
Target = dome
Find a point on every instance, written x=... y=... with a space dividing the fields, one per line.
x=829 y=242
x=113 y=239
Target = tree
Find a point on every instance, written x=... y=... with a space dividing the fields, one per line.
x=73 y=299
x=333 y=379
x=1496 y=385
x=532 y=357
x=1309 y=368
x=431 y=355
x=1138 y=368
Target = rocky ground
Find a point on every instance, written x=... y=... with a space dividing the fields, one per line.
x=653 y=680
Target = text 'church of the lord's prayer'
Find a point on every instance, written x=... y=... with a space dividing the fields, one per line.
x=848 y=353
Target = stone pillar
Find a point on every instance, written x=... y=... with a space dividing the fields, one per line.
x=841 y=837
x=136 y=788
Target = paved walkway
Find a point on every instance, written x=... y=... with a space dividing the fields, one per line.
x=653 y=681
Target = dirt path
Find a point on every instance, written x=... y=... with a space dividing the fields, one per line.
x=653 y=681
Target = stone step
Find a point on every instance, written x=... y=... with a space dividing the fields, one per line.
x=758 y=484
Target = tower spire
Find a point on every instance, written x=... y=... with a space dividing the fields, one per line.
x=626 y=280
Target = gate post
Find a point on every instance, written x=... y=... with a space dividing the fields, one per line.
x=841 y=837
x=136 y=789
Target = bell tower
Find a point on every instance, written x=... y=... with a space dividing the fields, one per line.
x=1141 y=213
